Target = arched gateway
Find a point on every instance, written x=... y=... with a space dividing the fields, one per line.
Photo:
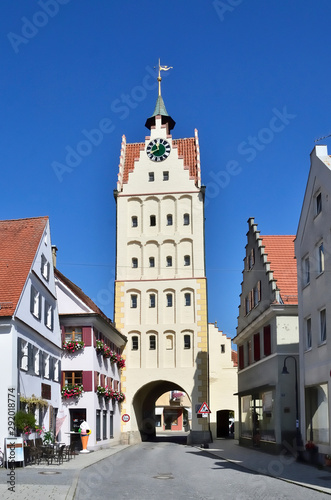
x=160 y=287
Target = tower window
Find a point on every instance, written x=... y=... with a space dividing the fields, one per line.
x=169 y=261
x=187 y=341
x=152 y=300
x=152 y=342
x=186 y=219
x=165 y=176
x=150 y=176
x=187 y=299
x=152 y=220
x=169 y=300
x=169 y=220
x=134 y=301
x=135 y=343
x=134 y=262
x=187 y=260
x=222 y=348
x=134 y=221
x=151 y=262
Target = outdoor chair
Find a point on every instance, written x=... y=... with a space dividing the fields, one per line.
x=58 y=454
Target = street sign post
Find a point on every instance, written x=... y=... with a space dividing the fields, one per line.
x=125 y=417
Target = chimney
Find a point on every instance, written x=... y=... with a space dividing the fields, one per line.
x=54 y=250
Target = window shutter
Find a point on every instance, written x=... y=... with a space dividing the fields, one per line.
x=19 y=352
x=251 y=300
x=257 y=347
x=41 y=364
x=59 y=372
x=30 y=359
x=39 y=305
x=241 y=357
x=63 y=333
x=63 y=379
x=267 y=340
x=96 y=377
x=95 y=333
x=51 y=368
x=259 y=291
x=110 y=382
x=87 y=335
x=32 y=299
x=87 y=381
x=102 y=380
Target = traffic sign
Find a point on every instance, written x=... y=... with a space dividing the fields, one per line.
x=125 y=417
x=204 y=408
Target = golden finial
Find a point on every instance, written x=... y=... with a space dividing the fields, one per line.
x=162 y=68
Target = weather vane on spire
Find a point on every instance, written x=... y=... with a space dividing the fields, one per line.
x=162 y=68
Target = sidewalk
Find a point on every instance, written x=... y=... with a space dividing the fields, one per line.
x=283 y=467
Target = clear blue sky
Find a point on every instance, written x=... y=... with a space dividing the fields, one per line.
x=252 y=76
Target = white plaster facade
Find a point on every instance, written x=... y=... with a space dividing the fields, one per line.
x=223 y=381
x=313 y=254
x=160 y=288
x=30 y=351
x=79 y=314
x=267 y=333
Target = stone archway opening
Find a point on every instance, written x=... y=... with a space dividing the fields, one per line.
x=174 y=417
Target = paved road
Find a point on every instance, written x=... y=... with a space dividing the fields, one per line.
x=163 y=470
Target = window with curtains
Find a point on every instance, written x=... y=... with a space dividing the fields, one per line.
x=73 y=333
x=72 y=377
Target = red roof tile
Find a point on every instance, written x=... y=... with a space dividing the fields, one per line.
x=186 y=150
x=19 y=241
x=280 y=251
x=234 y=357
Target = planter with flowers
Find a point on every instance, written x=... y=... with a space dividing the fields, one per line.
x=72 y=391
x=120 y=361
x=311 y=454
x=101 y=390
x=100 y=347
x=72 y=346
x=107 y=352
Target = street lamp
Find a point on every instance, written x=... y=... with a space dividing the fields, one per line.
x=297 y=421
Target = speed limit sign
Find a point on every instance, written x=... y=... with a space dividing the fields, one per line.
x=125 y=417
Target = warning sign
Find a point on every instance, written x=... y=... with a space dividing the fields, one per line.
x=204 y=408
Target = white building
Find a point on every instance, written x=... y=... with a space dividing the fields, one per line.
x=313 y=254
x=267 y=334
x=223 y=381
x=30 y=339
x=160 y=288
x=93 y=368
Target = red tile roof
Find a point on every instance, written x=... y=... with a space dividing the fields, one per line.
x=19 y=241
x=186 y=150
x=280 y=251
x=234 y=357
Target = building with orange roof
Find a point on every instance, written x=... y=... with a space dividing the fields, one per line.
x=91 y=364
x=313 y=254
x=267 y=334
x=30 y=338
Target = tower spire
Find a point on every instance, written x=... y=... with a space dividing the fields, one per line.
x=160 y=108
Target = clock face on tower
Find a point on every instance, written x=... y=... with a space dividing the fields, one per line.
x=158 y=150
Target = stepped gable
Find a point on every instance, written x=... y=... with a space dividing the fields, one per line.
x=19 y=241
x=280 y=252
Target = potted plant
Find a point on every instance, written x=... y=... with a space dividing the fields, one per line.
x=100 y=346
x=73 y=345
x=71 y=391
x=25 y=422
x=48 y=437
x=101 y=390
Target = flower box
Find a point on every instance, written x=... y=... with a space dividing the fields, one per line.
x=73 y=345
x=71 y=391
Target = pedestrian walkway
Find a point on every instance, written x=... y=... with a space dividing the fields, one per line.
x=283 y=467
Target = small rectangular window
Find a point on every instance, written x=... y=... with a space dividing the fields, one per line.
x=45 y=267
x=187 y=299
x=308 y=333
x=222 y=348
x=48 y=315
x=151 y=262
x=169 y=261
x=152 y=342
x=169 y=220
x=73 y=333
x=152 y=220
x=169 y=300
x=35 y=302
x=133 y=301
x=306 y=271
x=134 y=262
x=135 y=343
x=150 y=176
x=186 y=219
x=187 y=341
x=187 y=260
x=134 y=221
x=321 y=258
x=318 y=206
x=323 y=325
x=152 y=300
x=165 y=176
